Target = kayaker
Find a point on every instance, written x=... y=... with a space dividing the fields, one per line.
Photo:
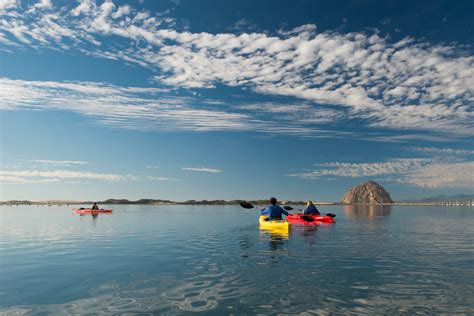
x=311 y=209
x=95 y=206
x=274 y=211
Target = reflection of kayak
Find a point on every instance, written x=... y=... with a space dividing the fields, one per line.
x=274 y=224
x=309 y=220
x=90 y=211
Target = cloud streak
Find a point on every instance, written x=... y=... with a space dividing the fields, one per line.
x=64 y=163
x=442 y=151
x=202 y=169
x=124 y=107
x=35 y=176
x=162 y=179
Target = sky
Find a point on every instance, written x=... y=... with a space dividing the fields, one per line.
x=188 y=99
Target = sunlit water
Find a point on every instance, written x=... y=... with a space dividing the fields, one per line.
x=215 y=260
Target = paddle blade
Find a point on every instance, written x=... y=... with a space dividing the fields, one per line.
x=246 y=205
x=331 y=215
x=288 y=208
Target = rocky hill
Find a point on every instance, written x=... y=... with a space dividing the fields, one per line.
x=369 y=192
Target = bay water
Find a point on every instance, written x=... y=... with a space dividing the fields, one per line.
x=214 y=260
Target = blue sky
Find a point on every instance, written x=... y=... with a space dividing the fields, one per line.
x=235 y=99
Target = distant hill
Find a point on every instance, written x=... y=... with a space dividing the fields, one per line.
x=141 y=201
x=151 y=202
x=442 y=197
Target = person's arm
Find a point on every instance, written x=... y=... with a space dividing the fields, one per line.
x=284 y=211
x=264 y=211
x=306 y=211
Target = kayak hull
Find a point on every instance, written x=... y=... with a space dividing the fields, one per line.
x=90 y=211
x=309 y=220
x=281 y=225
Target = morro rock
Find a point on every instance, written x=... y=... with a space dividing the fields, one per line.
x=369 y=192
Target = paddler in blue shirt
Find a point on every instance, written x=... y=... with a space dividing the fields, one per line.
x=311 y=209
x=274 y=211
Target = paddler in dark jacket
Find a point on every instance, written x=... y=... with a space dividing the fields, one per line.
x=274 y=211
x=311 y=209
x=95 y=207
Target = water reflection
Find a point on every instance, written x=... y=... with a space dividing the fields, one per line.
x=269 y=234
x=276 y=240
x=307 y=234
x=366 y=210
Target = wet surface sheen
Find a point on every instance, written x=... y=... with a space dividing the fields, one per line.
x=215 y=260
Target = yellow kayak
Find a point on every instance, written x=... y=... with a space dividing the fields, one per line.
x=274 y=224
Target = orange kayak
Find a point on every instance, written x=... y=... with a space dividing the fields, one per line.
x=90 y=211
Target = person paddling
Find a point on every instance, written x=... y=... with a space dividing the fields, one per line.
x=311 y=209
x=274 y=211
x=95 y=207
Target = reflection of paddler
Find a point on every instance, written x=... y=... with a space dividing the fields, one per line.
x=276 y=240
x=274 y=234
x=95 y=214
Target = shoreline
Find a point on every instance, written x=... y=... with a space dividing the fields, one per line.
x=468 y=203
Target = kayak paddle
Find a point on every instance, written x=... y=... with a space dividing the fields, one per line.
x=247 y=205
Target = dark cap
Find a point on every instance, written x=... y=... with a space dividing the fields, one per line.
x=273 y=201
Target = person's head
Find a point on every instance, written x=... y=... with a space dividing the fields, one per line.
x=309 y=203
x=273 y=201
x=95 y=203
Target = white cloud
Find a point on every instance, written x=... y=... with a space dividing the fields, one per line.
x=202 y=169
x=22 y=180
x=404 y=85
x=442 y=151
x=357 y=170
x=84 y=6
x=123 y=107
x=305 y=114
x=7 y=4
x=152 y=167
x=162 y=179
x=57 y=162
x=43 y=4
x=442 y=175
x=33 y=176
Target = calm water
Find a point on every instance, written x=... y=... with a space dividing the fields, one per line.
x=215 y=260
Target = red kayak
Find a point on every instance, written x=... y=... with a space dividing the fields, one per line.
x=308 y=220
x=90 y=211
